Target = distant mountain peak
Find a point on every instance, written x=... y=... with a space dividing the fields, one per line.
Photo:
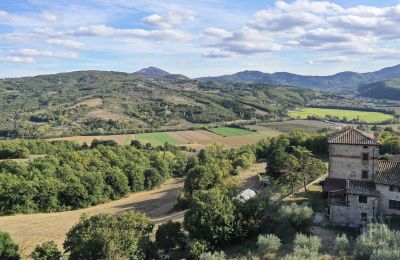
x=154 y=72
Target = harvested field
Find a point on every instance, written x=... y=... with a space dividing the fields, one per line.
x=32 y=229
x=230 y=131
x=306 y=125
x=93 y=102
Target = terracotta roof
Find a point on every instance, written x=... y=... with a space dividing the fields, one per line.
x=353 y=136
x=389 y=173
x=360 y=187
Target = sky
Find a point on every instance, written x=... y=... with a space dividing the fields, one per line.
x=198 y=38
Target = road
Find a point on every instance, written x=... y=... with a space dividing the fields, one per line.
x=31 y=229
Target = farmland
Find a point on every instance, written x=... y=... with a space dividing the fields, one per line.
x=196 y=139
x=366 y=116
x=230 y=131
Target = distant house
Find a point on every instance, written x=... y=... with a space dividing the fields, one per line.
x=360 y=185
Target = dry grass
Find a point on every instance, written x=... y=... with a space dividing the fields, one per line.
x=93 y=102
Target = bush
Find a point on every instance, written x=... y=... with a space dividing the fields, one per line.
x=268 y=244
x=306 y=246
x=197 y=247
x=213 y=256
x=46 y=251
x=169 y=235
x=342 y=245
x=290 y=219
x=8 y=249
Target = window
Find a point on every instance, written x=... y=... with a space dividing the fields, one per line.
x=365 y=174
x=364 y=216
x=365 y=156
x=392 y=188
x=362 y=199
x=365 y=146
x=394 y=204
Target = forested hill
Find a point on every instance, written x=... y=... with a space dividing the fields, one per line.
x=342 y=80
x=388 y=89
x=98 y=102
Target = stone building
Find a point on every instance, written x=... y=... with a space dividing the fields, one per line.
x=360 y=186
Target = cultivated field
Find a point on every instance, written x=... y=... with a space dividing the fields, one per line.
x=230 y=131
x=306 y=125
x=369 y=117
x=156 y=138
x=32 y=229
x=191 y=138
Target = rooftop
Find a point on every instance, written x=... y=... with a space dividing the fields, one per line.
x=389 y=173
x=352 y=135
x=358 y=187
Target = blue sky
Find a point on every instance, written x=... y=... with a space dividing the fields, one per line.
x=198 y=38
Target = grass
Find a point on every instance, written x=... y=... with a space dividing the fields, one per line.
x=156 y=139
x=369 y=117
x=230 y=131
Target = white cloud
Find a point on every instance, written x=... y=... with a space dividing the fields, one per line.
x=108 y=31
x=3 y=14
x=213 y=33
x=38 y=53
x=218 y=54
x=169 y=20
x=13 y=59
x=48 y=16
x=66 y=43
x=331 y=59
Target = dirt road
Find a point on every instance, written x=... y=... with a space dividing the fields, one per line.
x=32 y=229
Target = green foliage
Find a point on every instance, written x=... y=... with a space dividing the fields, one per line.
x=197 y=247
x=342 y=245
x=269 y=243
x=379 y=240
x=71 y=178
x=304 y=247
x=46 y=251
x=292 y=218
x=107 y=236
x=169 y=235
x=213 y=256
x=8 y=249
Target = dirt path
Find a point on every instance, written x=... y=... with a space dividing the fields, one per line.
x=32 y=229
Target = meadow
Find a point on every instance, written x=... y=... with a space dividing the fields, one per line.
x=156 y=138
x=366 y=116
x=230 y=131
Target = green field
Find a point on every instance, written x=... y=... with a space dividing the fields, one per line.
x=369 y=117
x=230 y=131
x=156 y=139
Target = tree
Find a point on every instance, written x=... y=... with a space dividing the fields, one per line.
x=290 y=219
x=46 y=251
x=213 y=256
x=378 y=240
x=169 y=235
x=211 y=217
x=268 y=244
x=106 y=236
x=197 y=247
x=306 y=246
x=8 y=249
x=341 y=246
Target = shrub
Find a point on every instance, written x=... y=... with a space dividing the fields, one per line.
x=268 y=244
x=197 y=247
x=213 y=256
x=342 y=245
x=8 y=249
x=46 y=251
x=169 y=235
x=306 y=246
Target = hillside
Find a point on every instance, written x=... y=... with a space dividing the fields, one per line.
x=388 y=89
x=153 y=72
x=342 y=80
x=99 y=102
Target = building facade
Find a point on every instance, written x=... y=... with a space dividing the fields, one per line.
x=360 y=185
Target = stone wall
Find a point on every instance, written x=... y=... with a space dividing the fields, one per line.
x=345 y=161
x=387 y=195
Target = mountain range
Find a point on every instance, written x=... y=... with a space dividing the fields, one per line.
x=342 y=80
